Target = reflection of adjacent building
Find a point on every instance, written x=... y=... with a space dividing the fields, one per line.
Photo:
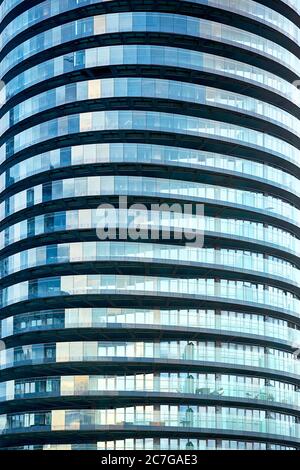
x=150 y=344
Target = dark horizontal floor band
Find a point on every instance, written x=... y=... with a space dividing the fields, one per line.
x=240 y=54
x=113 y=365
x=27 y=436
x=216 y=113
x=146 y=300
x=214 y=208
x=211 y=240
x=104 y=400
x=151 y=267
x=231 y=83
x=173 y=139
x=209 y=12
x=138 y=332
x=203 y=174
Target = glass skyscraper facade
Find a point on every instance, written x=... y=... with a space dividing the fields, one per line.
x=150 y=343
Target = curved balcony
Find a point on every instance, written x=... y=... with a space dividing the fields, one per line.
x=188 y=162
x=148 y=22
x=57 y=101
x=81 y=225
x=159 y=444
x=161 y=421
x=265 y=83
x=117 y=322
x=110 y=121
x=180 y=191
x=66 y=355
x=101 y=390
x=245 y=294
x=252 y=11
x=132 y=257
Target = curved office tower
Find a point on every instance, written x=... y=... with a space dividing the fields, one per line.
x=139 y=341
